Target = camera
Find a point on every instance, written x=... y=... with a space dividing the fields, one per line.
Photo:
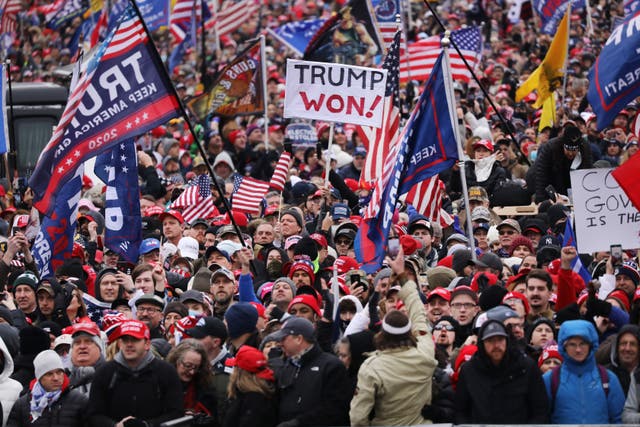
x=616 y=255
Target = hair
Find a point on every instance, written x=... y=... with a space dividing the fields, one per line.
x=111 y=351
x=203 y=375
x=386 y=341
x=538 y=273
x=242 y=381
x=139 y=269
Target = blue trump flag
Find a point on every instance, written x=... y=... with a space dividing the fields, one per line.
x=297 y=35
x=4 y=124
x=552 y=11
x=54 y=241
x=124 y=92
x=118 y=169
x=427 y=147
x=615 y=76
x=576 y=264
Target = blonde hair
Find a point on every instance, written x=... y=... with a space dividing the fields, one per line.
x=242 y=381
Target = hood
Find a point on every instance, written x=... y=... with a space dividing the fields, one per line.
x=7 y=368
x=11 y=338
x=626 y=329
x=578 y=328
x=355 y=300
x=224 y=157
x=98 y=279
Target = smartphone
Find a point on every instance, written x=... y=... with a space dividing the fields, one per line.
x=551 y=192
x=616 y=255
x=393 y=247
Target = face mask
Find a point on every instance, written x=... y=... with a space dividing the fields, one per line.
x=274 y=268
x=533 y=155
x=195 y=313
x=363 y=201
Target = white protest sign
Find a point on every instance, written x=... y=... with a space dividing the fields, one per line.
x=604 y=215
x=334 y=92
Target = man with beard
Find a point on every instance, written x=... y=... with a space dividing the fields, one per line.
x=500 y=385
x=438 y=304
x=538 y=292
x=223 y=288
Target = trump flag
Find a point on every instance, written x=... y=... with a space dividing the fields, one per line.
x=124 y=92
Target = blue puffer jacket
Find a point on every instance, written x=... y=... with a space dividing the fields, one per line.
x=580 y=398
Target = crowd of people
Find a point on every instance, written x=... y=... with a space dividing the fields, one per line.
x=269 y=320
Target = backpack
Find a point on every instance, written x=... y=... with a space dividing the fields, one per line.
x=555 y=382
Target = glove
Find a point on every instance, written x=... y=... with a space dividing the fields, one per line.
x=598 y=307
x=291 y=423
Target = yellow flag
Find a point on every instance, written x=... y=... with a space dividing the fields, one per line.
x=548 y=76
x=548 y=116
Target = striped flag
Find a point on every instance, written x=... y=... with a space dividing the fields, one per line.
x=281 y=172
x=184 y=17
x=9 y=10
x=248 y=194
x=196 y=201
x=424 y=53
x=378 y=141
x=385 y=12
x=576 y=265
x=230 y=17
x=426 y=197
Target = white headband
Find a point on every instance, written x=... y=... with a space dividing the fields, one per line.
x=395 y=330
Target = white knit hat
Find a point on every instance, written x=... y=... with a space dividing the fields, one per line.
x=46 y=361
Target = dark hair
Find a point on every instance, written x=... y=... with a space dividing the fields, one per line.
x=386 y=341
x=139 y=269
x=538 y=273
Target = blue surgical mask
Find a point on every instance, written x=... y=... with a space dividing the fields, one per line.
x=533 y=156
x=195 y=313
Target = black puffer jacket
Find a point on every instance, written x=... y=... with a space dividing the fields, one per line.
x=68 y=411
x=252 y=410
x=553 y=168
x=510 y=393
x=152 y=393
x=317 y=392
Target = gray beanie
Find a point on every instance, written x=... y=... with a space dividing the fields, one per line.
x=296 y=215
x=46 y=361
x=382 y=274
x=288 y=282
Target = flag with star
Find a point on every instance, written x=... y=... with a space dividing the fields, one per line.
x=124 y=91
x=118 y=169
x=197 y=201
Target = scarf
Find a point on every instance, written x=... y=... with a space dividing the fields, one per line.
x=41 y=399
x=484 y=167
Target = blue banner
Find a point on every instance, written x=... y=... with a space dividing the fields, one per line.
x=4 y=125
x=428 y=146
x=552 y=11
x=54 y=242
x=297 y=35
x=576 y=265
x=615 y=76
x=70 y=10
x=124 y=92
x=155 y=13
x=385 y=11
x=177 y=54
x=302 y=135
x=118 y=169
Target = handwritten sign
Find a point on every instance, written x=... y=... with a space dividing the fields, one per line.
x=604 y=215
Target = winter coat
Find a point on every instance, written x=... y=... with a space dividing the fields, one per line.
x=552 y=167
x=252 y=410
x=23 y=370
x=315 y=390
x=442 y=407
x=631 y=412
x=491 y=184
x=509 y=393
x=151 y=392
x=395 y=384
x=624 y=376
x=580 y=397
x=9 y=389
x=68 y=411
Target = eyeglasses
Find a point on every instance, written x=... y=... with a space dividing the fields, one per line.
x=148 y=310
x=503 y=232
x=440 y=327
x=189 y=367
x=343 y=242
x=466 y=305
x=574 y=345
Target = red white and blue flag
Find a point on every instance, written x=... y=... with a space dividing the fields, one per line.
x=196 y=201
x=428 y=146
x=426 y=197
x=124 y=92
x=9 y=10
x=569 y=239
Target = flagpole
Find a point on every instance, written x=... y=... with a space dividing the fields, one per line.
x=203 y=45
x=404 y=33
x=183 y=110
x=216 y=27
x=566 y=58
x=327 y=165
x=452 y=113
x=10 y=155
x=482 y=88
x=263 y=66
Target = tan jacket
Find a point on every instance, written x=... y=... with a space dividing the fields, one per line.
x=396 y=384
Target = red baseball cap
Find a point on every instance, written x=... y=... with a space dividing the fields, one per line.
x=307 y=300
x=484 y=143
x=319 y=239
x=345 y=263
x=439 y=292
x=153 y=210
x=86 y=327
x=172 y=213
x=133 y=328
x=521 y=297
x=252 y=360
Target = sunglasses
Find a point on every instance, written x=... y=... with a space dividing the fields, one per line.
x=508 y=232
x=440 y=327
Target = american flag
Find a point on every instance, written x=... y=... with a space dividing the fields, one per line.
x=426 y=197
x=248 y=192
x=379 y=141
x=9 y=10
x=196 y=201
x=184 y=17
x=281 y=172
x=96 y=309
x=230 y=17
x=423 y=55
